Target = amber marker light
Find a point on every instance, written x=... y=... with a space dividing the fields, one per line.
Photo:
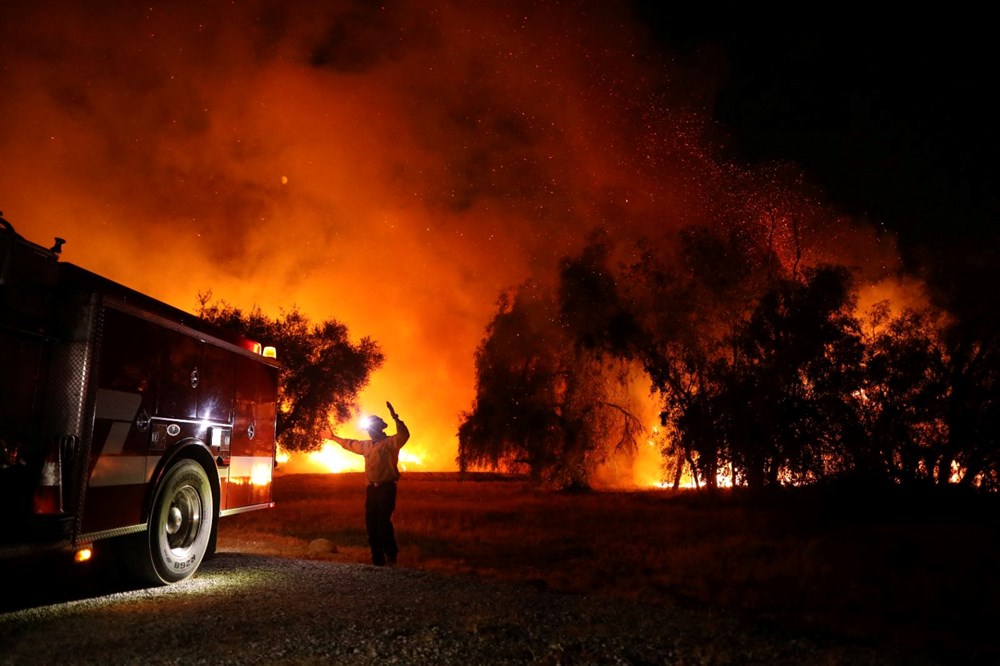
x=83 y=554
x=270 y=352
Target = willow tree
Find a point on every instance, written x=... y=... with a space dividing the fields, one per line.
x=514 y=423
x=543 y=403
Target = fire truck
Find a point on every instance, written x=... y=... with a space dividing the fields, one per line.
x=127 y=426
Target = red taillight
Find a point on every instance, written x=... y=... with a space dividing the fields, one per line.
x=251 y=345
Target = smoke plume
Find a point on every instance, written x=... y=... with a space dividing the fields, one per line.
x=391 y=165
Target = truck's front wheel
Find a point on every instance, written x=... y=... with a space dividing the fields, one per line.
x=180 y=526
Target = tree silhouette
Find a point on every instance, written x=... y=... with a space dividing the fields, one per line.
x=901 y=406
x=686 y=303
x=514 y=421
x=544 y=401
x=957 y=275
x=788 y=393
x=322 y=371
x=763 y=368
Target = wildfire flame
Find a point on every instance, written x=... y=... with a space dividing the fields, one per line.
x=331 y=458
x=273 y=164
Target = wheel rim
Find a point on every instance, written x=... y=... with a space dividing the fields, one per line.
x=183 y=519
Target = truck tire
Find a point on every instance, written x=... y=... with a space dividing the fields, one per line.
x=180 y=526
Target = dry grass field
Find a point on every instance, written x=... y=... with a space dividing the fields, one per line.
x=914 y=572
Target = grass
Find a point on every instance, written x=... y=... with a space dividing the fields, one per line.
x=879 y=567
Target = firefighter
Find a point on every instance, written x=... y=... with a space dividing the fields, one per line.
x=381 y=453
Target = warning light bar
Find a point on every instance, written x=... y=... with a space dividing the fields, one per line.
x=257 y=348
x=252 y=346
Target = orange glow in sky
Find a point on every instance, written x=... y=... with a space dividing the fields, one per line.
x=393 y=168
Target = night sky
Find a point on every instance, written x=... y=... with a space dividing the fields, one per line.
x=892 y=115
x=397 y=165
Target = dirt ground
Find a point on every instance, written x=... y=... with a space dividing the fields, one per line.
x=913 y=572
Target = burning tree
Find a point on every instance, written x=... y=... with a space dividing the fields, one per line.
x=543 y=402
x=901 y=406
x=970 y=335
x=786 y=396
x=514 y=421
x=689 y=301
x=766 y=372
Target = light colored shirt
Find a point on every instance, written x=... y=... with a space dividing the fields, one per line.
x=382 y=456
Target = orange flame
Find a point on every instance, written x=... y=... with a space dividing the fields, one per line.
x=266 y=177
x=332 y=459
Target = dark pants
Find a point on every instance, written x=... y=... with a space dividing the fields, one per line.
x=380 y=502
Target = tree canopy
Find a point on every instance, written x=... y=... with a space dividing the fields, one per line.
x=322 y=371
x=544 y=402
x=765 y=371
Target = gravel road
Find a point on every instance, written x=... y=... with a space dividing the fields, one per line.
x=250 y=609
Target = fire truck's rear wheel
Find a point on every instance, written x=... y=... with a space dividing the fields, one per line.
x=180 y=525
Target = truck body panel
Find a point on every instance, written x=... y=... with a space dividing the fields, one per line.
x=103 y=390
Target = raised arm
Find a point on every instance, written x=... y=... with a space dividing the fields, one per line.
x=401 y=429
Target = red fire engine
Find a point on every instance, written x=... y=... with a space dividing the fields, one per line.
x=125 y=424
